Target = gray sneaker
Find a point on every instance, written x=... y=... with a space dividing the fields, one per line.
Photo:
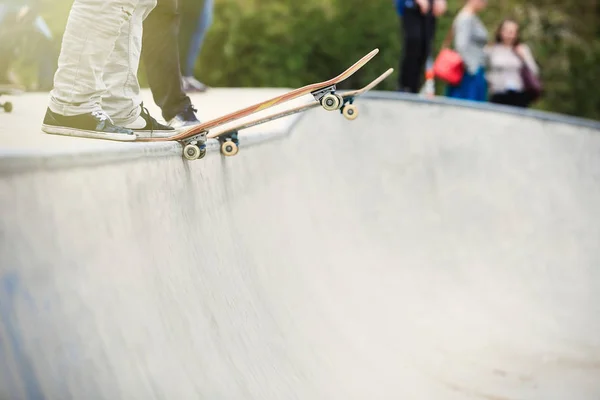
x=191 y=84
x=184 y=119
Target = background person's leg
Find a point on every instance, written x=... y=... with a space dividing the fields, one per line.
x=429 y=36
x=197 y=39
x=46 y=54
x=6 y=52
x=89 y=40
x=412 y=54
x=501 y=98
x=13 y=39
x=196 y=19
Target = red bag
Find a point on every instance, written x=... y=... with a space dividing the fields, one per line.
x=449 y=67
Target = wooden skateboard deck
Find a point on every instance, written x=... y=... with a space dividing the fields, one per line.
x=328 y=87
x=228 y=137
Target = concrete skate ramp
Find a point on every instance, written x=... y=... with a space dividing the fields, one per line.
x=423 y=251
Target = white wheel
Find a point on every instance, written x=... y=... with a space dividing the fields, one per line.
x=191 y=152
x=340 y=98
x=331 y=102
x=350 y=112
x=229 y=148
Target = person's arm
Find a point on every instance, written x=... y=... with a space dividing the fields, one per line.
x=462 y=33
x=423 y=5
x=439 y=7
x=487 y=51
x=525 y=53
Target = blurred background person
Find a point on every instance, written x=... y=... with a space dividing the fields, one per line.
x=196 y=18
x=506 y=57
x=25 y=36
x=470 y=40
x=418 y=20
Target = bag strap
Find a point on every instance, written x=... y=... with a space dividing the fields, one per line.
x=447 y=43
x=514 y=49
x=520 y=57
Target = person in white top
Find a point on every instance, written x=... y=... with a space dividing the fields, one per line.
x=505 y=59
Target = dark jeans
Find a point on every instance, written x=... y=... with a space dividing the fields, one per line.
x=418 y=32
x=160 y=53
x=512 y=98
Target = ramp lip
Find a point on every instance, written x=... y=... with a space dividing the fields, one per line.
x=15 y=161
x=529 y=113
x=19 y=160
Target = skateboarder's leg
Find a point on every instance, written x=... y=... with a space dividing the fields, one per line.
x=89 y=40
x=92 y=30
x=122 y=99
x=160 y=52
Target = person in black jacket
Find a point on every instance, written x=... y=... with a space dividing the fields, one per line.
x=418 y=19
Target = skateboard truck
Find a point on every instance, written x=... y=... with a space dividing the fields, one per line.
x=229 y=144
x=194 y=147
x=328 y=99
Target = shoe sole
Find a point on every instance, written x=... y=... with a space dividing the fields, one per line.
x=57 y=130
x=156 y=134
x=181 y=128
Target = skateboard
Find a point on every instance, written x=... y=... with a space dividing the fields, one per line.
x=228 y=138
x=194 y=138
x=8 y=90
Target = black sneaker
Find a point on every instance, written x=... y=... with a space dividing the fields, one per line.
x=96 y=124
x=146 y=126
x=184 y=119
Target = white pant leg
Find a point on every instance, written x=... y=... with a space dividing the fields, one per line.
x=122 y=98
x=92 y=31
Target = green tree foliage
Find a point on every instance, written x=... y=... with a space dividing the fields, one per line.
x=289 y=43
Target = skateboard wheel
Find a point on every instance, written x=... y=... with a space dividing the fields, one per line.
x=331 y=102
x=229 y=148
x=350 y=112
x=8 y=107
x=192 y=152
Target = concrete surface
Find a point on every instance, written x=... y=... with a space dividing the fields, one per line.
x=422 y=251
